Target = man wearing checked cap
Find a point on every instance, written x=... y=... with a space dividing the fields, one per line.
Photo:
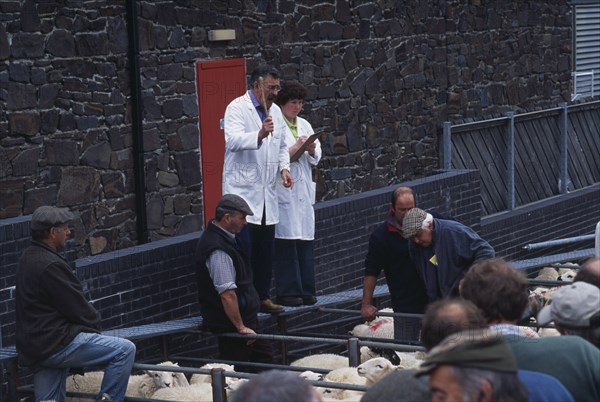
x=442 y=250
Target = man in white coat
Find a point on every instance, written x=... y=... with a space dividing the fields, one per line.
x=256 y=162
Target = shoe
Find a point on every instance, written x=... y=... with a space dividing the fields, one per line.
x=267 y=306
x=309 y=300
x=289 y=301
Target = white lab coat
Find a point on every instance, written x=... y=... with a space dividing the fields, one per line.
x=296 y=213
x=250 y=171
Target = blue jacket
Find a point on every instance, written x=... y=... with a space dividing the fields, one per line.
x=456 y=248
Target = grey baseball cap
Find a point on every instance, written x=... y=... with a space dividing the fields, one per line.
x=572 y=306
x=45 y=217
x=232 y=202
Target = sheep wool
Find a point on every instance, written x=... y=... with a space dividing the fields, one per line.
x=547 y=274
x=201 y=392
x=328 y=361
x=198 y=378
x=145 y=385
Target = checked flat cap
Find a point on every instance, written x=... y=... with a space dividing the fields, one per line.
x=413 y=222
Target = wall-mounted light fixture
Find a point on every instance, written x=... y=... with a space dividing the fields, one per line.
x=221 y=35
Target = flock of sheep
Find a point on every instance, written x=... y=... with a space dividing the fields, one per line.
x=174 y=386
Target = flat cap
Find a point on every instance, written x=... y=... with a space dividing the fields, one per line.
x=480 y=348
x=572 y=306
x=232 y=202
x=45 y=217
x=413 y=222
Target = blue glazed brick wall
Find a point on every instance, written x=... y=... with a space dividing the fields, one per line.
x=570 y=215
x=343 y=226
x=156 y=281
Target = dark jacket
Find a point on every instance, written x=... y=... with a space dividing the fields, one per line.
x=456 y=248
x=50 y=305
x=211 y=307
x=388 y=250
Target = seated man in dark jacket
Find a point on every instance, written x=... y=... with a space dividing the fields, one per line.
x=57 y=327
x=228 y=300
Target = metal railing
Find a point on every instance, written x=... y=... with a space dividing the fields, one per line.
x=507 y=124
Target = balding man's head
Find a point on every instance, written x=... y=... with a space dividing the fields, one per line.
x=448 y=316
x=589 y=272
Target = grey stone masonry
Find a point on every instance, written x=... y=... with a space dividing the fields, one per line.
x=381 y=78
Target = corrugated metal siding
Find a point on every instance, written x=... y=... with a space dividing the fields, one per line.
x=537 y=153
x=587 y=50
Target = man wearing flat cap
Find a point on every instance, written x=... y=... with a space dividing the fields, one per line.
x=475 y=365
x=228 y=300
x=443 y=250
x=57 y=327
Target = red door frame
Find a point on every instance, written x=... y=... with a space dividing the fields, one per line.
x=218 y=83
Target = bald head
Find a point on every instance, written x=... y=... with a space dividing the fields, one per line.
x=449 y=316
x=589 y=272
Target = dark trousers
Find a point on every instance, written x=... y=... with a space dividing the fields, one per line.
x=407 y=328
x=259 y=351
x=294 y=268
x=257 y=241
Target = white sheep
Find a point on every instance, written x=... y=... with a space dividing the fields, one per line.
x=380 y=327
x=201 y=392
x=328 y=361
x=145 y=385
x=142 y=385
x=547 y=274
x=566 y=274
x=88 y=383
x=545 y=332
x=375 y=369
x=198 y=378
x=346 y=375
x=311 y=376
x=404 y=359
x=410 y=360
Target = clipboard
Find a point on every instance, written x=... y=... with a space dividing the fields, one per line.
x=301 y=150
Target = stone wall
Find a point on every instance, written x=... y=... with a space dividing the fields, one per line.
x=381 y=76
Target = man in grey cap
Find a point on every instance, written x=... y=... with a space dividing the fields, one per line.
x=575 y=310
x=228 y=300
x=443 y=250
x=57 y=328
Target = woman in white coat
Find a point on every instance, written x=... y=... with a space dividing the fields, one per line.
x=293 y=264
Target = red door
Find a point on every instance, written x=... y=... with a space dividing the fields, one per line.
x=219 y=82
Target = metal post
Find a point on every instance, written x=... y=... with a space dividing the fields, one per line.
x=598 y=240
x=559 y=242
x=353 y=352
x=447 y=146
x=564 y=149
x=217 y=376
x=510 y=161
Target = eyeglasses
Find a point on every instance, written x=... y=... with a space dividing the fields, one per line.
x=274 y=87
